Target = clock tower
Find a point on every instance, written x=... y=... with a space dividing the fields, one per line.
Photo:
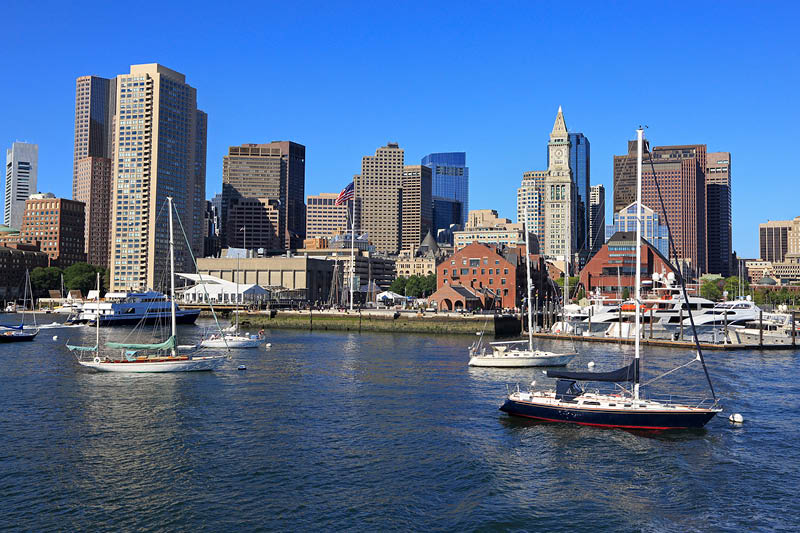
x=560 y=195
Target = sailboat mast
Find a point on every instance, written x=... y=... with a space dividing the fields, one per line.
x=97 y=315
x=528 y=275
x=172 y=276
x=638 y=287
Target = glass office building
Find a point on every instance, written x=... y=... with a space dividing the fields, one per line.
x=652 y=230
x=450 y=176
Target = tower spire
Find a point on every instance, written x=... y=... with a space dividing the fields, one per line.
x=559 y=127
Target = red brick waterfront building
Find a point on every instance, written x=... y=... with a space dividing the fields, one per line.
x=613 y=267
x=486 y=276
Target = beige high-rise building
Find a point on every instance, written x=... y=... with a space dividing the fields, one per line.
x=158 y=151
x=560 y=196
x=777 y=238
x=379 y=186
x=417 y=205
x=326 y=219
x=530 y=197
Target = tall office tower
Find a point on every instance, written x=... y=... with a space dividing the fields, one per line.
x=380 y=187
x=446 y=212
x=417 y=205
x=22 y=168
x=560 y=196
x=156 y=147
x=773 y=240
x=199 y=193
x=718 y=216
x=95 y=105
x=450 y=178
x=597 y=218
x=326 y=219
x=579 y=160
x=680 y=172
x=92 y=186
x=625 y=176
x=530 y=197
x=275 y=173
x=57 y=225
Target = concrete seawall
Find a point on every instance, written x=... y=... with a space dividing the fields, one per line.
x=384 y=321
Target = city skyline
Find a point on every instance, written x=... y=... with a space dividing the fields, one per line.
x=500 y=113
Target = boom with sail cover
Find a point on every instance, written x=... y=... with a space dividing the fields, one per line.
x=166 y=345
x=620 y=375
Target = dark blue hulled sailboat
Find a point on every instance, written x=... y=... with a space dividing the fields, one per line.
x=621 y=407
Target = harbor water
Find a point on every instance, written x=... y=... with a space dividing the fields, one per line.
x=379 y=432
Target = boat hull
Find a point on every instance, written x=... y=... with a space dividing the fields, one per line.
x=18 y=336
x=194 y=364
x=627 y=419
x=233 y=343
x=512 y=361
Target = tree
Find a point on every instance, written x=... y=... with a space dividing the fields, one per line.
x=398 y=286
x=414 y=287
x=732 y=287
x=45 y=279
x=429 y=284
x=82 y=277
x=626 y=293
x=710 y=290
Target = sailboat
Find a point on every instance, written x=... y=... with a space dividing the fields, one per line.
x=621 y=407
x=515 y=354
x=19 y=333
x=233 y=337
x=166 y=356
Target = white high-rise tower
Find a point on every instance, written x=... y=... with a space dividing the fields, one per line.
x=22 y=167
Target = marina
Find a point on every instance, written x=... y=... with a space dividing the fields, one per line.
x=386 y=434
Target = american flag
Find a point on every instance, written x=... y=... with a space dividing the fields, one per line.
x=347 y=194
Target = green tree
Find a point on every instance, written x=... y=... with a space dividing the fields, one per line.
x=626 y=293
x=82 y=277
x=710 y=290
x=398 y=286
x=732 y=287
x=429 y=284
x=45 y=279
x=414 y=287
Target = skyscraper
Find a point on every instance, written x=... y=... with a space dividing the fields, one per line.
x=95 y=105
x=597 y=218
x=326 y=219
x=718 y=205
x=417 y=205
x=22 y=168
x=530 y=197
x=773 y=239
x=156 y=149
x=275 y=173
x=380 y=187
x=560 y=196
x=579 y=159
x=680 y=178
x=450 y=178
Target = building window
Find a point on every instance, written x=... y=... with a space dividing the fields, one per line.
x=503 y=281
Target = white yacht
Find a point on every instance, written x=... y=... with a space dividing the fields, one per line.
x=733 y=312
x=130 y=308
x=774 y=329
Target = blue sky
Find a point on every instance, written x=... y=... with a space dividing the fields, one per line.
x=485 y=78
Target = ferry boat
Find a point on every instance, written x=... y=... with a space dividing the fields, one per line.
x=130 y=308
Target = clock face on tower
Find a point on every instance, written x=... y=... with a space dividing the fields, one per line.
x=559 y=152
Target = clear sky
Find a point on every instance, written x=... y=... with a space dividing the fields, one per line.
x=485 y=78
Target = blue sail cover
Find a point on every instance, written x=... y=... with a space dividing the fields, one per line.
x=11 y=327
x=627 y=373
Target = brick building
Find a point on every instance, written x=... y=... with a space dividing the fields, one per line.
x=613 y=267
x=15 y=260
x=488 y=272
x=57 y=224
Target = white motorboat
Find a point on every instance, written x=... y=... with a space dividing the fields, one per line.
x=733 y=312
x=234 y=340
x=774 y=329
x=516 y=353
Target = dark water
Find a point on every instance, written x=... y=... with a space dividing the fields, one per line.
x=378 y=432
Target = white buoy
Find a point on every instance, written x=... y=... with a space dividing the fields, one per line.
x=242 y=367
x=736 y=418
x=544 y=372
x=55 y=337
x=267 y=345
x=591 y=364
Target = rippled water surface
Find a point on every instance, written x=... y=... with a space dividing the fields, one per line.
x=378 y=432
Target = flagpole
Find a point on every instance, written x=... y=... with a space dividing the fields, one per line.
x=352 y=250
